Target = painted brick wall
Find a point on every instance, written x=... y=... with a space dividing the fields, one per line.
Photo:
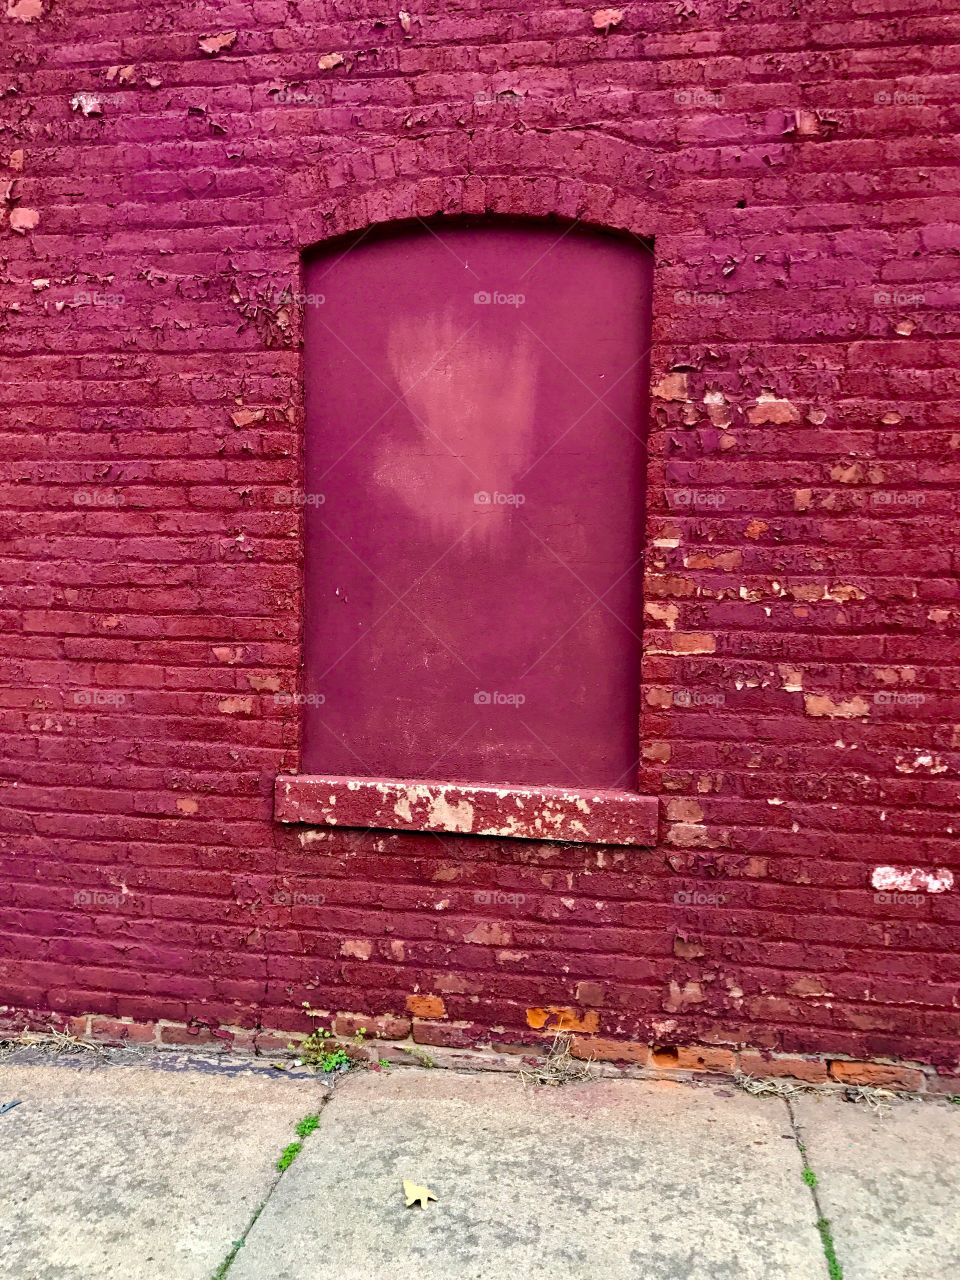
x=798 y=168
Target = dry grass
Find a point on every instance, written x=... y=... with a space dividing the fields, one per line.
x=559 y=1067
x=878 y=1100
x=770 y=1087
x=52 y=1042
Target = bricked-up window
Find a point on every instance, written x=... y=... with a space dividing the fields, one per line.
x=475 y=425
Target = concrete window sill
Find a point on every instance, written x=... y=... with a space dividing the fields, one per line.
x=521 y=813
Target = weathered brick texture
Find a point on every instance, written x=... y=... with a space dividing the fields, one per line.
x=797 y=167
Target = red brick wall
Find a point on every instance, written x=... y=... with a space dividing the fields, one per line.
x=797 y=169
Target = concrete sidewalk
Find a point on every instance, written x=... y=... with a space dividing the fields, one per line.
x=143 y=1166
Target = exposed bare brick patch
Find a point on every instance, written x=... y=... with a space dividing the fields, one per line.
x=601 y=1050
x=693 y=1058
x=877 y=1074
x=426 y=1006
x=556 y=1018
x=755 y=1064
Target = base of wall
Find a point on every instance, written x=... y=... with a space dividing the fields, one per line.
x=405 y=1041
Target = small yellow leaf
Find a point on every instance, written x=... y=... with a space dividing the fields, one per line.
x=415 y=1194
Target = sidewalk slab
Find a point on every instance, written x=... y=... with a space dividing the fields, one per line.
x=625 y=1180
x=115 y=1171
x=889 y=1184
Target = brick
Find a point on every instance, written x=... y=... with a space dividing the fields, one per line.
x=811 y=1072
x=877 y=1074
x=381 y=1026
x=601 y=1050
x=122 y=1031
x=449 y=1035
x=426 y=1006
x=943 y=1086
x=560 y=1018
x=693 y=1058
x=193 y=1034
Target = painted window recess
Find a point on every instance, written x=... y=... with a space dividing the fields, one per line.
x=476 y=398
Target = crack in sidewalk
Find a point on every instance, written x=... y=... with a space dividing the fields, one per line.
x=283 y=1164
x=834 y=1267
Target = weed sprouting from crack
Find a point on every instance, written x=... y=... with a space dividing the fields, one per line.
x=304 y=1128
x=808 y=1174
x=559 y=1067
x=322 y=1051
x=834 y=1269
x=419 y=1055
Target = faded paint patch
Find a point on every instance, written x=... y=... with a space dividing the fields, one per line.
x=817 y=705
x=489 y=933
x=477 y=403
x=235 y=706
x=922 y=760
x=451 y=817
x=24 y=220
x=680 y=997
x=25 y=10
x=87 y=104
x=547 y=813
x=912 y=879
x=605 y=19
x=666 y=613
x=671 y=387
x=772 y=409
x=357 y=948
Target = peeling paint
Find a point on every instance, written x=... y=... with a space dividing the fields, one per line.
x=609 y=817
x=912 y=880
